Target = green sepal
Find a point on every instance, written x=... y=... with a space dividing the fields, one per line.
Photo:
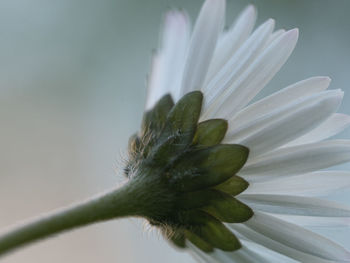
x=135 y=148
x=163 y=154
x=214 y=232
x=178 y=240
x=224 y=158
x=203 y=168
x=179 y=128
x=154 y=119
x=218 y=204
x=198 y=199
x=198 y=242
x=229 y=209
x=233 y=186
x=134 y=144
x=210 y=132
x=183 y=117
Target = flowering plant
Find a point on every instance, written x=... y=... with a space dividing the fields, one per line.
x=228 y=180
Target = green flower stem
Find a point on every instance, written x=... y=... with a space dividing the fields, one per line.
x=114 y=204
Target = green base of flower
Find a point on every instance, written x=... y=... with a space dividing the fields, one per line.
x=193 y=172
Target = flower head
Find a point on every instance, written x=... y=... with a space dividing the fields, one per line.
x=191 y=172
x=216 y=199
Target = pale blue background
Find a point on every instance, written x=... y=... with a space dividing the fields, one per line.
x=72 y=75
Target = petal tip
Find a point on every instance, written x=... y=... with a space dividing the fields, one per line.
x=218 y=3
x=176 y=17
x=293 y=33
x=325 y=79
x=250 y=10
x=270 y=22
x=339 y=93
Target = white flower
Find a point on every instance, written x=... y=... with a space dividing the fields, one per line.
x=286 y=132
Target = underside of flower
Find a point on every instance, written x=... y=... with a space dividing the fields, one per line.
x=190 y=175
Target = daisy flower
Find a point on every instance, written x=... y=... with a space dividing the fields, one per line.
x=227 y=179
x=213 y=75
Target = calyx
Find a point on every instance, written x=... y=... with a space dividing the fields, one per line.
x=189 y=177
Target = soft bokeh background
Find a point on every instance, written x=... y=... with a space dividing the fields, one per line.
x=72 y=75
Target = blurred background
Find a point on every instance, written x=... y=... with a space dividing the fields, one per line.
x=72 y=91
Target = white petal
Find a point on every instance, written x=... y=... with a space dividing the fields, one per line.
x=233 y=39
x=298 y=159
x=275 y=35
x=208 y=26
x=286 y=123
x=296 y=237
x=175 y=44
x=154 y=89
x=332 y=126
x=167 y=65
x=243 y=255
x=201 y=256
x=256 y=76
x=317 y=222
x=236 y=65
x=295 y=205
x=268 y=254
x=318 y=183
x=279 y=99
x=276 y=245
